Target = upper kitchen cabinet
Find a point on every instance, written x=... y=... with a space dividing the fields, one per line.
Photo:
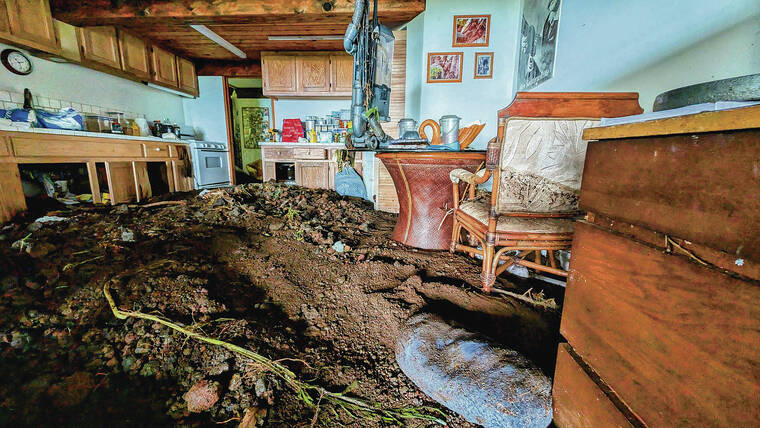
x=100 y=45
x=28 y=23
x=135 y=55
x=188 y=81
x=278 y=74
x=341 y=74
x=164 y=65
x=313 y=75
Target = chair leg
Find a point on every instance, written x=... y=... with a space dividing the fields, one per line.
x=456 y=231
x=488 y=276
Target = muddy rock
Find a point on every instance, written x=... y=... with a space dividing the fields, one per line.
x=72 y=390
x=202 y=396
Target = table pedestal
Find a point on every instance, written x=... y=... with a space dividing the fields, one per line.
x=425 y=194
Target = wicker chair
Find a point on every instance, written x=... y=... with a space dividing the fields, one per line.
x=536 y=163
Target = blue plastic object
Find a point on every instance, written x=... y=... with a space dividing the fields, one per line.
x=451 y=147
x=16 y=115
x=349 y=183
x=66 y=118
x=486 y=384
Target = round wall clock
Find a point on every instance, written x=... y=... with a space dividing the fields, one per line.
x=16 y=62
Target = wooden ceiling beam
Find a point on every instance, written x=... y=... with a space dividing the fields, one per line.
x=228 y=68
x=109 y=12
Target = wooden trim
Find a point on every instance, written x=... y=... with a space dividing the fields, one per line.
x=725 y=120
x=469 y=45
x=461 y=65
x=475 y=68
x=228 y=117
x=572 y=104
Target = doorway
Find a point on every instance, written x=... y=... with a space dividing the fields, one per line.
x=251 y=116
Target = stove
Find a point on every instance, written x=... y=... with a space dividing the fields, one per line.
x=211 y=168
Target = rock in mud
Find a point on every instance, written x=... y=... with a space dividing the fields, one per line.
x=72 y=390
x=202 y=396
x=485 y=384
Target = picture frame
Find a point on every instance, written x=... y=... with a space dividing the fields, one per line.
x=444 y=67
x=483 y=65
x=471 y=31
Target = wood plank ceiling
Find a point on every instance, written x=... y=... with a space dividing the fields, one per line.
x=247 y=24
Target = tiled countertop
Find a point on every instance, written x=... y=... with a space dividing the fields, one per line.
x=88 y=134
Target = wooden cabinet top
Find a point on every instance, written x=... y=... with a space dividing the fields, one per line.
x=713 y=121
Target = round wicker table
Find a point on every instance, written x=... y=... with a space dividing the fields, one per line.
x=425 y=194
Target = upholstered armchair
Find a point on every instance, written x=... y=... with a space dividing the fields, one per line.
x=536 y=163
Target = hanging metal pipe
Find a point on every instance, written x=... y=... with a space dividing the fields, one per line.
x=353 y=28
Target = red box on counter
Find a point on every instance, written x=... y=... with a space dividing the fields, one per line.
x=292 y=130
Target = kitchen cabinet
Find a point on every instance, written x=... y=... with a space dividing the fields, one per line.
x=135 y=55
x=313 y=174
x=100 y=45
x=28 y=23
x=313 y=74
x=188 y=81
x=341 y=74
x=279 y=74
x=67 y=41
x=164 y=65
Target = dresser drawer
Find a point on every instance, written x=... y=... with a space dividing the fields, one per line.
x=41 y=147
x=577 y=400
x=310 y=153
x=157 y=150
x=677 y=341
x=277 y=153
x=5 y=147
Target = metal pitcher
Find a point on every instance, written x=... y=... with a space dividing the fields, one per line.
x=407 y=128
x=449 y=128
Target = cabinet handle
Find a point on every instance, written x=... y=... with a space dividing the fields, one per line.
x=158 y=149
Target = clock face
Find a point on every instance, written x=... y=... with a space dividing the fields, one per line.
x=16 y=62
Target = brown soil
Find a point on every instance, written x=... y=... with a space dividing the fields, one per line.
x=253 y=265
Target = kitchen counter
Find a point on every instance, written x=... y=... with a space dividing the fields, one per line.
x=322 y=145
x=88 y=134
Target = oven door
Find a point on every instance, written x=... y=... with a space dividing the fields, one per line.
x=212 y=168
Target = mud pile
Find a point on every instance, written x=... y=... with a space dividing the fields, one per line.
x=300 y=276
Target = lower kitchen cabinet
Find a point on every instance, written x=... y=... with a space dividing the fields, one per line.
x=315 y=175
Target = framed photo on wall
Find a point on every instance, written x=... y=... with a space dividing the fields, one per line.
x=483 y=65
x=471 y=30
x=444 y=67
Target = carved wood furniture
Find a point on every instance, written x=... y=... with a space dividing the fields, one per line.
x=125 y=160
x=662 y=307
x=422 y=185
x=307 y=74
x=536 y=164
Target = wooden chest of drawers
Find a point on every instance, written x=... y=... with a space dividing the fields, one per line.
x=662 y=308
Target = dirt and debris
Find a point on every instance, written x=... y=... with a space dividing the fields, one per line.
x=304 y=277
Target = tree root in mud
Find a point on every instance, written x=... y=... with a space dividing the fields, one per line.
x=355 y=408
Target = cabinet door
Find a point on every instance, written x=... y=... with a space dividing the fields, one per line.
x=188 y=81
x=99 y=44
x=30 y=20
x=341 y=74
x=135 y=57
x=269 y=171
x=164 y=65
x=279 y=74
x=313 y=74
x=314 y=175
x=11 y=194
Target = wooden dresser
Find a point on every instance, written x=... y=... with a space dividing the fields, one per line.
x=662 y=308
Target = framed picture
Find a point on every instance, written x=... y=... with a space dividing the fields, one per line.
x=483 y=65
x=471 y=30
x=444 y=67
x=538 y=42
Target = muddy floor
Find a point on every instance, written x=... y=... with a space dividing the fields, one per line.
x=300 y=276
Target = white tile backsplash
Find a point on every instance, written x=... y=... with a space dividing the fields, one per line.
x=11 y=100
